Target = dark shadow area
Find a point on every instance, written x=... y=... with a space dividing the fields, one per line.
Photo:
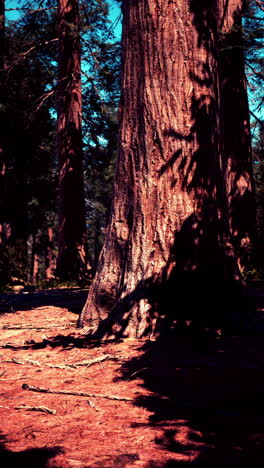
x=206 y=400
x=236 y=134
x=72 y=299
x=117 y=461
x=199 y=296
x=60 y=341
x=31 y=458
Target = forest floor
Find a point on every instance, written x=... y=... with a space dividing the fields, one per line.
x=196 y=402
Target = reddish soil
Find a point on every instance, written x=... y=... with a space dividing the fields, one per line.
x=194 y=401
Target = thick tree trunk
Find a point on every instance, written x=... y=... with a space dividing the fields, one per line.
x=236 y=127
x=3 y=266
x=2 y=98
x=72 y=257
x=167 y=260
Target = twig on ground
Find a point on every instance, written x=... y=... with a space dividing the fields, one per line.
x=8 y=345
x=90 y=403
x=86 y=363
x=35 y=363
x=2 y=373
x=18 y=378
x=135 y=373
x=96 y=360
x=43 y=409
x=29 y=327
x=84 y=394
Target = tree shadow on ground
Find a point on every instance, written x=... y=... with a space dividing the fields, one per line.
x=118 y=461
x=30 y=458
x=72 y=299
x=206 y=400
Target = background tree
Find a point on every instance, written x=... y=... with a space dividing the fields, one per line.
x=72 y=256
x=235 y=128
x=100 y=109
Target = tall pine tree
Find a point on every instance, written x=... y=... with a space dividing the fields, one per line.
x=72 y=256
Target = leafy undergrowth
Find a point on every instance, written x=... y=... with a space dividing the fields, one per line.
x=194 y=402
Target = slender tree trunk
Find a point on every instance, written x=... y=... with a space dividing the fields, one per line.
x=72 y=255
x=19 y=221
x=167 y=259
x=50 y=263
x=235 y=127
x=34 y=258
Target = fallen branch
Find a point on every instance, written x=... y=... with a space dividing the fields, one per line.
x=43 y=409
x=29 y=327
x=86 y=363
x=35 y=363
x=84 y=394
x=135 y=373
x=96 y=360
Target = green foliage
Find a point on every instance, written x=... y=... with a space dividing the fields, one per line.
x=29 y=179
x=258 y=168
x=253 y=33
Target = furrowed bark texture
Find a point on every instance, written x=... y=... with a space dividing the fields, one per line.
x=2 y=95
x=235 y=127
x=3 y=268
x=72 y=259
x=165 y=253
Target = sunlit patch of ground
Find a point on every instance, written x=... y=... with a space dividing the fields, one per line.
x=140 y=411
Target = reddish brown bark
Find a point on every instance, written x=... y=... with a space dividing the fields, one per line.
x=34 y=258
x=2 y=93
x=3 y=267
x=235 y=127
x=167 y=260
x=72 y=259
x=50 y=259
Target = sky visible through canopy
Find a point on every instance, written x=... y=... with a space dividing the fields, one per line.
x=114 y=14
x=115 y=18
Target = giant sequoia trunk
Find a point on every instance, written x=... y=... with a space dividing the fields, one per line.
x=167 y=261
x=235 y=127
x=2 y=97
x=72 y=259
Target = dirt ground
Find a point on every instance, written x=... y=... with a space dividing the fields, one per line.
x=195 y=402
